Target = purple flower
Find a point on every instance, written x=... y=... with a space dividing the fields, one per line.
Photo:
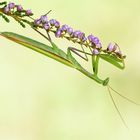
x=95 y=52
x=95 y=40
x=110 y=47
x=6 y=9
x=76 y=33
x=46 y=26
x=37 y=22
x=19 y=8
x=58 y=33
x=90 y=38
x=99 y=46
x=44 y=18
x=81 y=36
x=84 y=39
x=57 y=24
x=28 y=12
x=64 y=27
x=115 y=47
x=69 y=30
x=52 y=22
x=11 y=5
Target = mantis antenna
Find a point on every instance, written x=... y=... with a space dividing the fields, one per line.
x=116 y=107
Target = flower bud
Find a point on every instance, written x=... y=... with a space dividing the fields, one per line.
x=76 y=33
x=19 y=8
x=69 y=30
x=57 y=24
x=44 y=18
x=95 y=52
x=46 y=26
x=84 y=39
x=52 y=22
x=6 y=10
x=64 y=27
x=95 y=40
x=11 y=5
x=99 y=46
x=81 y=35
x=90 y=38
x=115 y=47
x=28 y=12
x=37 y=22
x=58 y=33
x=111 y=47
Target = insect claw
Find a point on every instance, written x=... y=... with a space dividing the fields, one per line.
x=106 y=81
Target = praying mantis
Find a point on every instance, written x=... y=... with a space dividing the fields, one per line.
x=112 y=54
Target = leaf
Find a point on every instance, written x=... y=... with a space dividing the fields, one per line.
x=52 y=52
x=113 y=60
x=3 y=3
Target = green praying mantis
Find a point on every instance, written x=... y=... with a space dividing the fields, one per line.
x=54 y=52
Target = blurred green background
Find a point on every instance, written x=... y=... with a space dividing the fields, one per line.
x=41 y=99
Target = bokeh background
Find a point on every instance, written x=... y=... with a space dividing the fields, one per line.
x=41 y=99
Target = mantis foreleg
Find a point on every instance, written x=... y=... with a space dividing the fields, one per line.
x=95 y=63
x=74 y=50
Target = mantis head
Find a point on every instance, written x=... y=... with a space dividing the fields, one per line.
x=114 y=56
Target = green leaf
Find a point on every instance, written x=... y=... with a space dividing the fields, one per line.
x=52 y=52
x=3 y=3
x=113 y=60
x=4 y=17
